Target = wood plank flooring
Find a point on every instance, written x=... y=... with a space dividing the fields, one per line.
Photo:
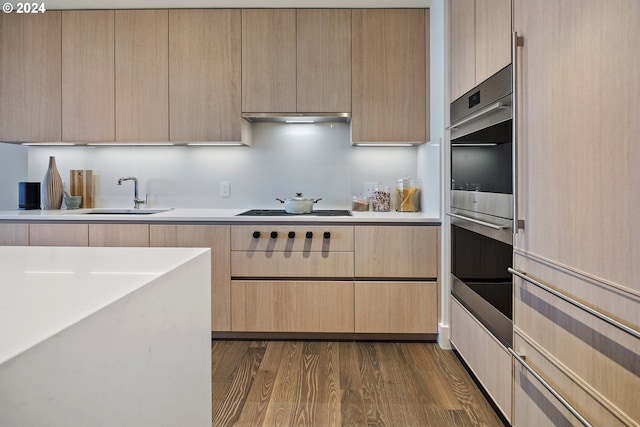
x=328 y=383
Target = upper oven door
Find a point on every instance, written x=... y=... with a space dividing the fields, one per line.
x=487 y=104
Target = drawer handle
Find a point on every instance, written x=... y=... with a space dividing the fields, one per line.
x=274 y=234
x=550 y=389
x=578 y=304
x=256 y=234
x=309 y=235
x=327 y=235
x=291 y=234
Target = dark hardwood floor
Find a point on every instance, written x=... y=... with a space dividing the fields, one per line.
x=328 y=383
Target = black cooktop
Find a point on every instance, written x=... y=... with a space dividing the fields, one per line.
x=282 y=212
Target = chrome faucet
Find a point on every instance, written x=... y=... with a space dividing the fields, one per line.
x=136 y=202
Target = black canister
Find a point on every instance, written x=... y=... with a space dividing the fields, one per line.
x=29 y=195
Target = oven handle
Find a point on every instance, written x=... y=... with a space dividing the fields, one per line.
x=481 y=112
x=479 y=222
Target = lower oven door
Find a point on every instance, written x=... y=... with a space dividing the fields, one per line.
x=480 y=280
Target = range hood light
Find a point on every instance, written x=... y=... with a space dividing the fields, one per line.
x=305 y=118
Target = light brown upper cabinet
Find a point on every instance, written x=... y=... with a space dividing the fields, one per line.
x=390 y=78
x=142 y=75
x=324 y=60
x=269 y=60
x=205 y=75
x=296 y=60
x=480 y=41
x=88 y=89
x=30 y=85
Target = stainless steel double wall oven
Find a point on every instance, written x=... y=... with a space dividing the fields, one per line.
x=482 y=203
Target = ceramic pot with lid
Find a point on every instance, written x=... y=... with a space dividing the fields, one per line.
x=298 y=204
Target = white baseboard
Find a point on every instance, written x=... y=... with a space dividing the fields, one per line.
x=444 y=335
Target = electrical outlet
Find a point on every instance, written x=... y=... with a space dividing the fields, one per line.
x=224 y=189
x=368 y=189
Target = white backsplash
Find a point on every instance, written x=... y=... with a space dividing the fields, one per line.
x=316 y=159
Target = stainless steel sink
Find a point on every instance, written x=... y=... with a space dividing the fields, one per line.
x=122 y=211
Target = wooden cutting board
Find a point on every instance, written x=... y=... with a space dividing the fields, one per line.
x=81 y=184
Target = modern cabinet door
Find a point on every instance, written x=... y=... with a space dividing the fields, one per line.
x=480 y=40
x=578 y=136
x=14 y=234
x=396 y=307
x=269 y=60
x=59 y=234
x=292 y=306
x=142 y=75
x=30 y=77
x=204 y=75
x=396 y=252
x=493 y=37
x=88 y=89
x=462 y=52
x=488 y=359
x=119 y=235
x=216 y=237
x=323 y=60
x=389 y=75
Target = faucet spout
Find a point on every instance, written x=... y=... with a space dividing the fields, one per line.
x=136 y=202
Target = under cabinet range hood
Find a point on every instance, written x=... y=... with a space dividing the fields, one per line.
x=297 y=117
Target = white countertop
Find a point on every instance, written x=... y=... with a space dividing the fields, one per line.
x=212 y=215
x=44 y=290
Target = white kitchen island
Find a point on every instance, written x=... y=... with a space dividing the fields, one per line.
x=105 y=336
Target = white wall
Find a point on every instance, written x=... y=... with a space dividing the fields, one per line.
x=316 y=159
x=13 y=169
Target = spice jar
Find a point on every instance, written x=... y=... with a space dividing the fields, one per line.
x=408 y=192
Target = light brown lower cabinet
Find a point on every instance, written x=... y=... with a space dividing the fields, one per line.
x=534 y=402
x=215 y=237
x=14 y=234
x=292 y=306
x=59 y=234
x=487 y=358
x=119 y=235
x=396 y=307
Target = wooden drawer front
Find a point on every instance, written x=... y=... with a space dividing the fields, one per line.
x=291 y=306
x=14 y=234
x=59 y=234
x=534 y=402
x=341 y=238
x=602 y=356
x=292 y=264
x=397 y=251
x=489 y=360
x=119 y=235
x=396 y=307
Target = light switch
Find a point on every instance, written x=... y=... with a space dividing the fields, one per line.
x=224 y=188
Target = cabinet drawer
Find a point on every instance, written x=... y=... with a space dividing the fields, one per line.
x=14 y=234
x=396 y=252
x=396 y=307
x=119 y=235
x=534 y=402
x=59 y=234
x=291 y=264
x=608 y=357
x=291 y=306
x=340 y=238
x=489 y=360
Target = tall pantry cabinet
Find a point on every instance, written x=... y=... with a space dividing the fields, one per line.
x=578 y=89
